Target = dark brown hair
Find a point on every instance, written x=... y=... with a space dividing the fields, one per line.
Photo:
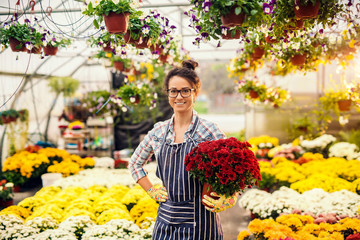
x=187 y=71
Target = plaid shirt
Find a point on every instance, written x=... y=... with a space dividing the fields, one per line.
x=206 y=131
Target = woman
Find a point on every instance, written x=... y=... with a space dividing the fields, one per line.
x=181 y=214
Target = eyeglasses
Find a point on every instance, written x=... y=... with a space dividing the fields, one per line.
x=185 y=92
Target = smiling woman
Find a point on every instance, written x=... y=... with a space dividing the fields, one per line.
x=171 y=141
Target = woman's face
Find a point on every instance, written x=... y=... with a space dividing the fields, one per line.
x=181 y=103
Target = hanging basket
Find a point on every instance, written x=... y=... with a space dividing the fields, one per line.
x=299 y=24
x=207 y=189
x=298 y=59
x=116 y=23
x=308 y=11
x=156 y=47
x=143 y=43
x=231 y=19
x=163 y=58
x=119 y=66
x=50 y=50
x=16 y=45
x=107 y=48
x=344 y=105
x=253 y=94
x=258 y=53
x=271 y=40
x=128 y=39
x=228 y=36
x=35 y=50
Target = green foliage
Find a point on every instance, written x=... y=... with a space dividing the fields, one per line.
x=352 y=136
x=238 y=135
x=65 y=85
x=201 y=107
x=94 y=100
x=15 y=177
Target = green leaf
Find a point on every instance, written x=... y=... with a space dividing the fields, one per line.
x=253 y=12
x=96 y=24
x=238 y=10
x=91 y=7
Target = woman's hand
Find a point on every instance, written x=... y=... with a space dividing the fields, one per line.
x=221 y=204
x=158 y=193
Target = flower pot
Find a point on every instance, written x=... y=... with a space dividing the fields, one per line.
x=231 y=19
x=207 y=189
x=253 y=216
x=163 y=58
x=129 y=39
x=228 y=35
x=107 y=48
x=116 y=23
x=35 y=50
x=299 y=24
x=308 y=11
x=143 y=43
x=344 y=105
x=298 y=59
x=258 y=53
x=119 y=66
x=271 y=40
x=16 y=188
x=253 y=94
x=156 y=47
x=6 y=119
x=6 y=203
x=14 y=43
x=50 y=50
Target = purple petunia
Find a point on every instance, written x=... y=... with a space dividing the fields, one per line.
x=267 y=8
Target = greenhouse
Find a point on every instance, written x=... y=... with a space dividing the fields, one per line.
x=180 y=119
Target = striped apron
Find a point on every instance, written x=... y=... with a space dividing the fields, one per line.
x=182 y=216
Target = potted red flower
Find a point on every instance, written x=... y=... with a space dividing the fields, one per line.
x=224 y=166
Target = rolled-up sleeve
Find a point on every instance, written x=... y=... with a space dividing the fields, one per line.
x=141 y=155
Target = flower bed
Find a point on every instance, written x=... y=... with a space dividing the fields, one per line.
x=315 y=202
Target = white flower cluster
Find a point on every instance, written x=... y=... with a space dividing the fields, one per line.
x=285 y=200
x=42 y=223
x=105 y=177
x=72 y=228
x=9 y=221
x=116 y=229
x=345 y=150
x=320 y=142
x=104 y=162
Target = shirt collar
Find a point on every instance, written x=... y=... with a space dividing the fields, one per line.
x=191 y=126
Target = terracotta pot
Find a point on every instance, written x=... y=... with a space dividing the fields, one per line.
x=128 y=39
x=306 y=12
x=231 y=19
x=253 y=216
x=156 y=47
x=144 y=43
x=16 y=188
x=116 y=23
x=258 y=53
x=6 y=119
x=50 y=50
x=298 y=59
x=137 y=99
x=228 y=35
x=163 y=58
x=119 y=66
x=14 y=43
x=271 y=40
x=107 y=48
x=253 y=94
x=344 y=105
x=299 y=24
x=35 y=50
x=7 y=203
x=207 y=189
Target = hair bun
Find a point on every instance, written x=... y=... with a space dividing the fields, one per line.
x=190 y=64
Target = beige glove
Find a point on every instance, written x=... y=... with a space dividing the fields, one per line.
x=158 y=193
x=221 y=204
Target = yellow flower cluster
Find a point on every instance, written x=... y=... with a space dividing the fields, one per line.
x=313 y=156
x=256 y=141
x=101 y=204
x=71 y=165
x=21 y=212
x=54 y=152
x=25 y=163
x=318 y=173
x=298 y=227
